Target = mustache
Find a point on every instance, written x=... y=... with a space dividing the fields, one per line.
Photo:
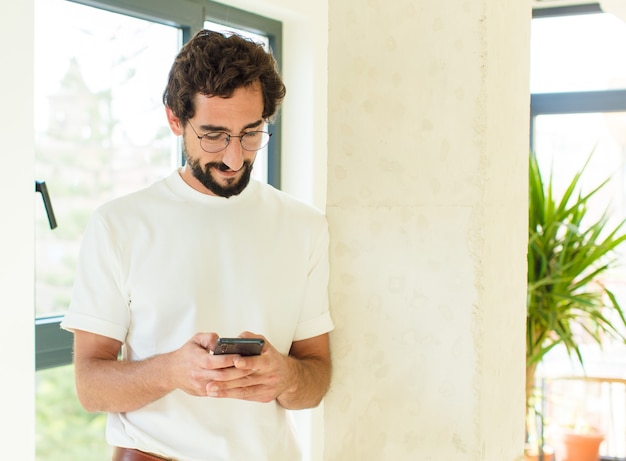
x=223 y=167
x=217 y=165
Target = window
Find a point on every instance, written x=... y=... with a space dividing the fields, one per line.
x=581 y=52
x=578 y=105
x=120 y=97
x=101 y=132
x=99 y=126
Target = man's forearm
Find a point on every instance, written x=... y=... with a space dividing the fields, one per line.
x=309 y=383
x=120 y=386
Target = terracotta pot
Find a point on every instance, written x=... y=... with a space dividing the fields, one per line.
x=547 y=456
x=572 y=446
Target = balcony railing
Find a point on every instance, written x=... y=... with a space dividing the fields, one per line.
x=587 y=402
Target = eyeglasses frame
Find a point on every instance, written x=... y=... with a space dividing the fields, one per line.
x=228 y=138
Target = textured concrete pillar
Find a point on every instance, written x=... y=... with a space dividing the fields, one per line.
x=428 y=107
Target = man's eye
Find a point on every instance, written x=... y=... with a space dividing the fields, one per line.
x=214 y=136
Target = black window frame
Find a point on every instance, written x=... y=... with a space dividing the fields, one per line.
x=54 y=346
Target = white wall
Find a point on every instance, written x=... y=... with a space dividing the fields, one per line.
x=17 y=234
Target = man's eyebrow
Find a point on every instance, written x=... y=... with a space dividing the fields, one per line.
x=207 y=128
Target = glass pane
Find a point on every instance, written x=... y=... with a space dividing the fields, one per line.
x=563 y=143
x=99 y=122
x=65 y=431
x=578 y=53
x=260 y=163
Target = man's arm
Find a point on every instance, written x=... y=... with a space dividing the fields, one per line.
x=104 y=383
x=310 y=364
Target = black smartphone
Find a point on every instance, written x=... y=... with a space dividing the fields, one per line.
x=241 y=346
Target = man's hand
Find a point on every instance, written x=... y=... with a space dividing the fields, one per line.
x=263 y=377
x=193 y=366
x=299 y=380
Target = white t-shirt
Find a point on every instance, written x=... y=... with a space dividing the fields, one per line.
x=166 y=262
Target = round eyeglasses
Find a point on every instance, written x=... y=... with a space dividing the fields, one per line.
x=216 y=141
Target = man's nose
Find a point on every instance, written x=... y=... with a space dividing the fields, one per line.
x=233 y=154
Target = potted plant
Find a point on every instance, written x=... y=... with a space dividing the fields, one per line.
x=579 y=443
x=569 y=253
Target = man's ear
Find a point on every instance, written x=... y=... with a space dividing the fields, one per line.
x=174 y=122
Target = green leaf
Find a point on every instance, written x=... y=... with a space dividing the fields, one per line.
x=569 y=254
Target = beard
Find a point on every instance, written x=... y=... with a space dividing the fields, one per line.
x=232 y=187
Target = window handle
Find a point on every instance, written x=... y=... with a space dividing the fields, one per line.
x=40 y=186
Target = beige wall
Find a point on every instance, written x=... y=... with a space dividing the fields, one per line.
x=427 y=154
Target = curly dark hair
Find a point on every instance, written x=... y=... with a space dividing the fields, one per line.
x=216 y=65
